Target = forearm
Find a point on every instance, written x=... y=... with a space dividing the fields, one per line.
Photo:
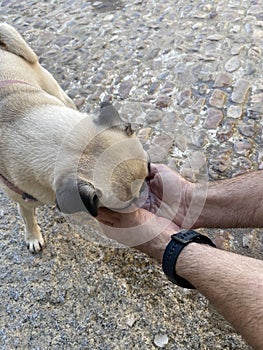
x=236 y=202
x=233 y=283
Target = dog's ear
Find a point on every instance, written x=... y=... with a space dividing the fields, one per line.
x=108 y=116
x=128 y=129
x=77 y=195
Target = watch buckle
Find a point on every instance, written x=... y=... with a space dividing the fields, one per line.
x=180 y=240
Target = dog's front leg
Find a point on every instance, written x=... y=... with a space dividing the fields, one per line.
x=33 y=236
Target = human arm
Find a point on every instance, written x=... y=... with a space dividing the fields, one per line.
x=232 y=283
x=235 y=202
x=137 y=228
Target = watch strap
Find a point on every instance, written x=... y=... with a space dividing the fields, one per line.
x=174 y=248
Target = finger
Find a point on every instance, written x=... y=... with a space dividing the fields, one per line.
x=153 y=172
x=108 y=217
x=156 y=185
x=121 y=220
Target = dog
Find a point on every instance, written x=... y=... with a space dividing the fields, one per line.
x=50 y=153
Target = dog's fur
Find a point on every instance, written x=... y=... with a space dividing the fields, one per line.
x=52 y=152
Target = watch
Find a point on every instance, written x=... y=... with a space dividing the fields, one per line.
x=174 y=248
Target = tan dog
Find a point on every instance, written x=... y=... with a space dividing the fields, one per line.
x=50 y=152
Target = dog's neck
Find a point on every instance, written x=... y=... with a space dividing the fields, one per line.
x=25 y=196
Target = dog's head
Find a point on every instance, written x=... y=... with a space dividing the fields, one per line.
x=111 y=166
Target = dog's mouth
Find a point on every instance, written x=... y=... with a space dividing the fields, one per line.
x=127 y=206
x=134 y=203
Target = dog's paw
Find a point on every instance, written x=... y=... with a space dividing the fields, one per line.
x=35 y=245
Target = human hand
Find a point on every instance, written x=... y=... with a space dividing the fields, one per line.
x=140 y=229
x=166 y=206
x=169 y=194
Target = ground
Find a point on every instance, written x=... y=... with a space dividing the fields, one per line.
x=189 y=74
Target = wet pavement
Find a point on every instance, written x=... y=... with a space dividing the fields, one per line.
x=190 y=75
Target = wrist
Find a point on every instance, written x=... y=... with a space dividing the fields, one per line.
x=190 y=261
x=176 y=246
x=194 y=203
x=182 y=204
x=156 y=247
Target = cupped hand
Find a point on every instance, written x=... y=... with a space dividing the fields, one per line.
x=169 y=194
x=140 y=229
x=160 y=211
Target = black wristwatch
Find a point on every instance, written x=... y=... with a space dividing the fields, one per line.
x=172 y=251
